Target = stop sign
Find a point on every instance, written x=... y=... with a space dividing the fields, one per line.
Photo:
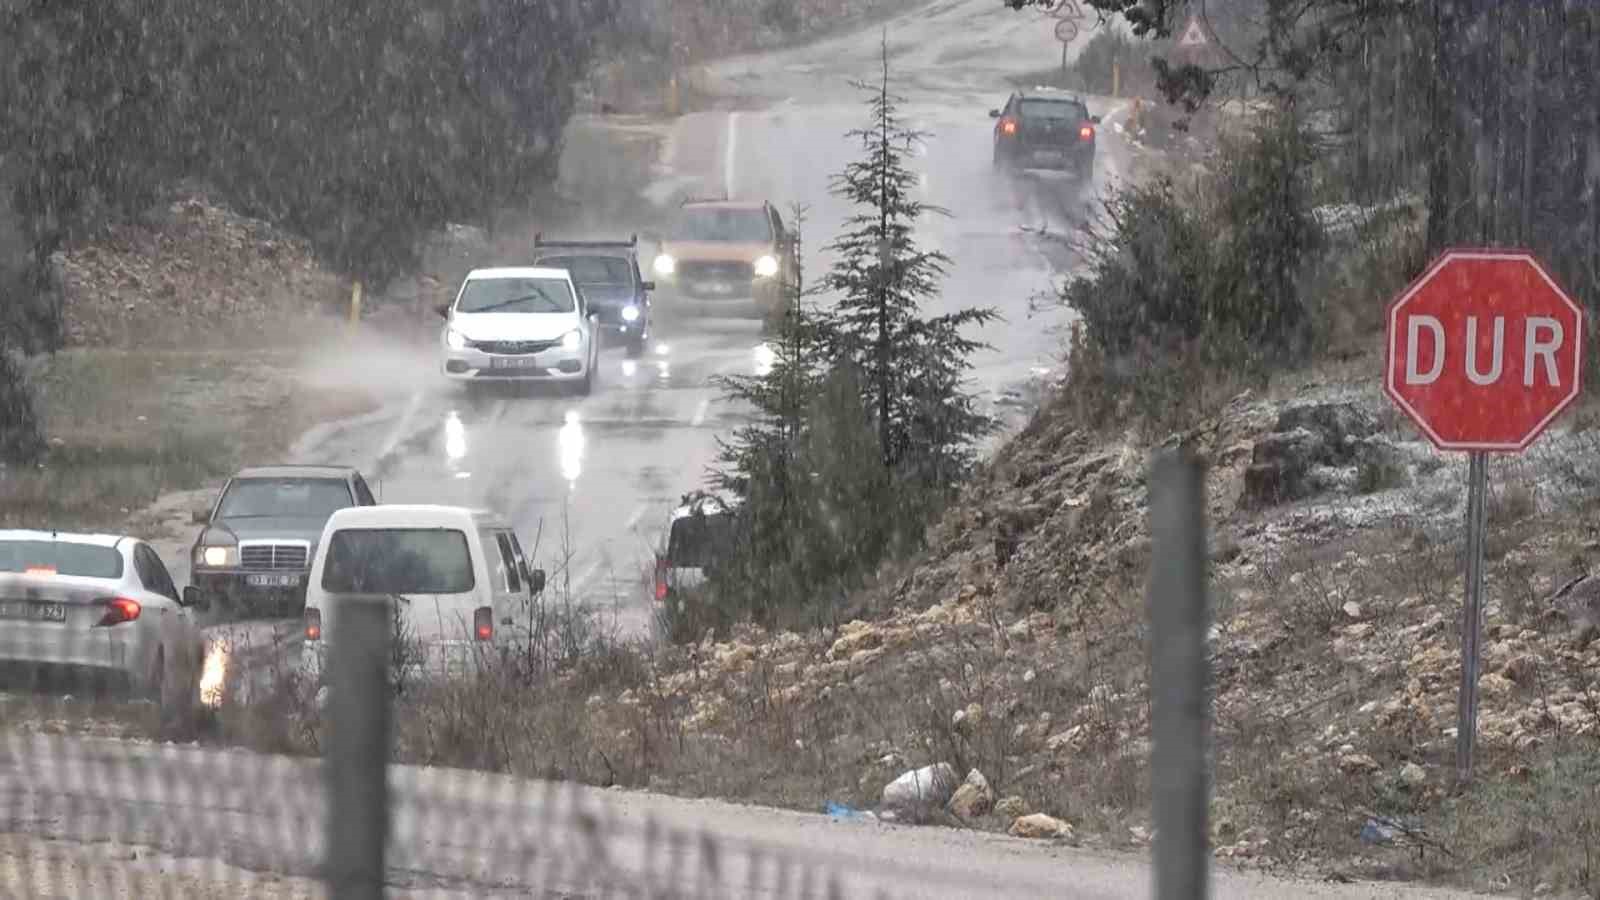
x=1484 y=350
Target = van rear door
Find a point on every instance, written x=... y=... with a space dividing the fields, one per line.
x=695 y=544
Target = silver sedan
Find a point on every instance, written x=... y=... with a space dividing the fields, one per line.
x=103 y=606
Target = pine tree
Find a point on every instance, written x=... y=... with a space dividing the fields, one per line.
x=914 y=366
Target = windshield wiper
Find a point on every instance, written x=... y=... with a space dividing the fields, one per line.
x=512 y=302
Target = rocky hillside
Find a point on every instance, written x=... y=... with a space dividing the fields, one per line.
x=1012 y=653
x=191 y=274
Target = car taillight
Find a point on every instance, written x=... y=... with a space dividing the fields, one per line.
x=313 y=620
x=1008 y=126
x=1086 y=133
x=119 y=610
x=661 y=578
x=483 y=623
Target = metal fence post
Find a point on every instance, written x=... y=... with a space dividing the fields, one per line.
x=357 y=756
x=1179 y=676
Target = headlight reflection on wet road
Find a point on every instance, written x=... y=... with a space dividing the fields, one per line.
x=214 y=674
x=455 y=443
x=570 y=440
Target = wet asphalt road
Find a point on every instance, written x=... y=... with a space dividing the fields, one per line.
x=591 y=482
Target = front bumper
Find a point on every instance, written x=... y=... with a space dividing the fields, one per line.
x=557 y=364
x=249 y=587
x=756 y=297
x=613 y=324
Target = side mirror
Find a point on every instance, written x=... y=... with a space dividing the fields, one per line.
x=536 y=581
x=994 y=113
x=443 y=310
x=1095 y=119
x=648 y=285
x=200 y=515
x=192 y=597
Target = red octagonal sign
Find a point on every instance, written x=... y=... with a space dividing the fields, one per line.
x=1484 y=350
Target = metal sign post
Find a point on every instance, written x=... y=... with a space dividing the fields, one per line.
x=1472 y=613
x=1484 y=351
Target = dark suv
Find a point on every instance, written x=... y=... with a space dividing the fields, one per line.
x=607 y=272
x=259 y=539
x=1045 y=129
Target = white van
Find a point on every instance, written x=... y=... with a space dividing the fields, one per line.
x=455 y=579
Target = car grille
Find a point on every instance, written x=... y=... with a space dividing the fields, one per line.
x=514 y=348
x=691 y=270
x=273 y=556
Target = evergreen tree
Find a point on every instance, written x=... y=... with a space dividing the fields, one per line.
x=862 y=425
x=913 y=365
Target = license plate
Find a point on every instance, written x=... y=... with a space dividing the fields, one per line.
x=32 y=612
x=513 y=362
x=270 y=581
x=716 y=287
x=1048 y=155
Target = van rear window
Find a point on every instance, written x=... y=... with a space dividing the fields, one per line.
x=698 y=541
x=398 y=561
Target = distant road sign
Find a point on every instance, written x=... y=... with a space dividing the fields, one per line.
x=1066 y=31
x=1067 y=9
x=1484 y=350
x=1194 y=34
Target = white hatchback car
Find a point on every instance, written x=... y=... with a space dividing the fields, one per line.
x=453 y=578
x=520 y=324
x=99 y=605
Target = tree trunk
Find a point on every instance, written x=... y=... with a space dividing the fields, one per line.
x=1441 y=94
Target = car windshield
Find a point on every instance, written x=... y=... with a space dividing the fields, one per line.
x=698 y=541
x=516 y=295
x=258 y=498
x=61 y=557
x=587 y=270
x=398 y=561
x=1054 y=109
x=722 y=224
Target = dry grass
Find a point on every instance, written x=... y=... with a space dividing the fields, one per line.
x=126 y=427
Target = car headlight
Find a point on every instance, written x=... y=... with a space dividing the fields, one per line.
x=215 y=557
x=572 y=340
x=454 y=339
x=766 y=266
x=630 y=314
x=665 y=264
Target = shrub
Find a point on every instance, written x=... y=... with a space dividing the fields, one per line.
x=1187 y=290
x=1094 y=64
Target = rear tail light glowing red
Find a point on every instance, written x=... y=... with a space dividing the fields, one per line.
x=1008 y=126
x=119 y=610
x=483 y=623
x=661 y=578
x=313 y=620
x=1086 y=133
